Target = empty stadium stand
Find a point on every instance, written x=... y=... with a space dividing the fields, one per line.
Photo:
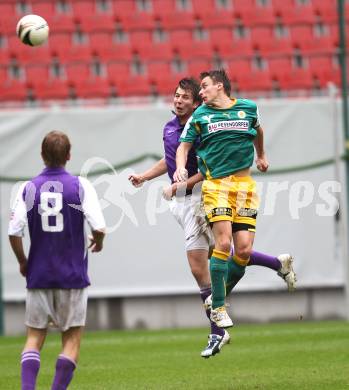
x=110 y=48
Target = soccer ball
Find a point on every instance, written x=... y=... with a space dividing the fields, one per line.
x=32 y=30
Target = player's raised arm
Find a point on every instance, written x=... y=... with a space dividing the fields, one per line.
x=181 y=174
x=261 y=160
x=158 y=169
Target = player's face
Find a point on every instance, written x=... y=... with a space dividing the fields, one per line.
x=208 y=90
x=183 y=103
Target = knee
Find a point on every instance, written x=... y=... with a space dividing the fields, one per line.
x=223 y=245
x=243 y=251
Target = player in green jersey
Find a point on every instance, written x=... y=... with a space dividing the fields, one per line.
x=228 y=131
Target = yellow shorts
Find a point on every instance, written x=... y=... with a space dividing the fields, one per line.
x=231 y=198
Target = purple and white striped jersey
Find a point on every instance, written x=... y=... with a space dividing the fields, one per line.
x=55 y=205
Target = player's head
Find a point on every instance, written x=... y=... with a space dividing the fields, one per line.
x=55 y=149
x=186 y=97
x=214 y=84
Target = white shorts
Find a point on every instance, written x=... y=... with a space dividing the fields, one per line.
x=62 y=308
x=188 y=213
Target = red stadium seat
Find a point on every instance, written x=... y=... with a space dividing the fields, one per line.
x=298 y=15
x=115 y=53
x=26 y=54
x=133 y=86
x=328 y=14
x=278 y=67
x=261 y=34
x=62 y=23
x=227 y=46
x=98 y=23
x=239 y=67
x=203 y=7
x=46 y=9
x=74 y=54
x=124 y=8
x=158 y=70
x=321 y=65
x=137 y=21
x=77 y=72
x=118 y=71
x=195 y=67
x=243 y=5
x=275 y=47
x=3 y=74
x=255 y=81
x=318 y=45
x=217 y=19
x=167 y=85
x=83 y=8
x=8 y=24
x=196 y=50
x=140 y=38
x=262 y=16
x=300 y=34
x=95 y=88
x=13 y=91
x=161 y=7
x=59 y=41
x=161 y=51
x=279 y=5
x=33 y=73
x=300 y=78
x=53 y=90
x=178 y=20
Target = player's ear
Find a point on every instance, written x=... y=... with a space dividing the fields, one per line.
x=68 y=156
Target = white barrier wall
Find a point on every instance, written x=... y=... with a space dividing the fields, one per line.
x=144 y=251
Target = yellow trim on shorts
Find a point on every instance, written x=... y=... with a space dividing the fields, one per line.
x=220 y=255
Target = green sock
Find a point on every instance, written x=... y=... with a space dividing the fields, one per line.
x=234 y=274
x=218 y=271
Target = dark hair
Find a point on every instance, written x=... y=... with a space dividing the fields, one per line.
x=55 y=149
x=190 y=84
x=218 y=76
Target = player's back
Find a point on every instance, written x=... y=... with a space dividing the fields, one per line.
x=58 y=254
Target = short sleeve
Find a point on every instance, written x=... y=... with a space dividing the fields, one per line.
x=90 y=206
x=189 y=133
x=18 y=217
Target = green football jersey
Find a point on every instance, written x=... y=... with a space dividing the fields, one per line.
x=224 y=137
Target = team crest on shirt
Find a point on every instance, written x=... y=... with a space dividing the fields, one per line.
x=241 y=114
x=208 y=118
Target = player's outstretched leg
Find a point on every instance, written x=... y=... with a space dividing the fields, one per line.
x=282 y=264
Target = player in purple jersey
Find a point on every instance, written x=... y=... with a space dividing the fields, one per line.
x=198 y=236
x=55 y=206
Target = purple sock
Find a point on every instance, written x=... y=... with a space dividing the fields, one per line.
x=204 y=293
x=263 y=260
x=30 y=365
x=64 y=373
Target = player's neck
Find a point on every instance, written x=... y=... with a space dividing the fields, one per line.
x=183 y=119
x=222 y=102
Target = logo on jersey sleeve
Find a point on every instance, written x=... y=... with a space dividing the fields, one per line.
x=235 y=125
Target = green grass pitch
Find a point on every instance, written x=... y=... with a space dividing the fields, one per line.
x=292 y=356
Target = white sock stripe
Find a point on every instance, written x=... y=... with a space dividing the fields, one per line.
x=25 y=354
x=30 y=358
